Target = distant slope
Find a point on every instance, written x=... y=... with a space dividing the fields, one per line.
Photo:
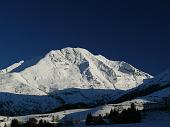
x=158 y=95
x=152 y=87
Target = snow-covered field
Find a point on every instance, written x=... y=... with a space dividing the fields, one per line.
x=149 y=119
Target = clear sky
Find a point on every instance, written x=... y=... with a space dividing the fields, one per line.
x=137 y=32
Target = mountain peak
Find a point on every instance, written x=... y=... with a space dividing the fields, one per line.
x=69 y=50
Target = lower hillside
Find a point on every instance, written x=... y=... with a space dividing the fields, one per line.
x=18 y=104
x=140 y=92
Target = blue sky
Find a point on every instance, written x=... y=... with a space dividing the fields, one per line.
x=133 y=31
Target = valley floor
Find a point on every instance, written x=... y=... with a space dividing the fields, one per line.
x=149 y=119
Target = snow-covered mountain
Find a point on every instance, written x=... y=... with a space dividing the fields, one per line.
x=61 y=71
x=70 y=68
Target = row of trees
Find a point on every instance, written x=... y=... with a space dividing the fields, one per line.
x=32 y=122
x=130 y=115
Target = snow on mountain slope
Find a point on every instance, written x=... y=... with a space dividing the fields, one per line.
x=15 y=83
x=77 y=68
x=126 y=73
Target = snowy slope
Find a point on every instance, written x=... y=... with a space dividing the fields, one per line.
x=153 y=89
x=17 y=104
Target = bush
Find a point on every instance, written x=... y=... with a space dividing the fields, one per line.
x=55 y=118
x=88 y=118
x=113 y=114
x=5 y=125
x=32 y=122
x=44 y=123
x=130 y=115
x=15 y=123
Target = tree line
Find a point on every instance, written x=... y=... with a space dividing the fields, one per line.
x=130 y=115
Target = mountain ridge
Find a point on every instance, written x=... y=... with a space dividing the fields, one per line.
x=92 y=71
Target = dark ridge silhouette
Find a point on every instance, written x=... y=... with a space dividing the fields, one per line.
x=135 y=92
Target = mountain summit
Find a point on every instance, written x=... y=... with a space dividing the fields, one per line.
x=69 y=68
